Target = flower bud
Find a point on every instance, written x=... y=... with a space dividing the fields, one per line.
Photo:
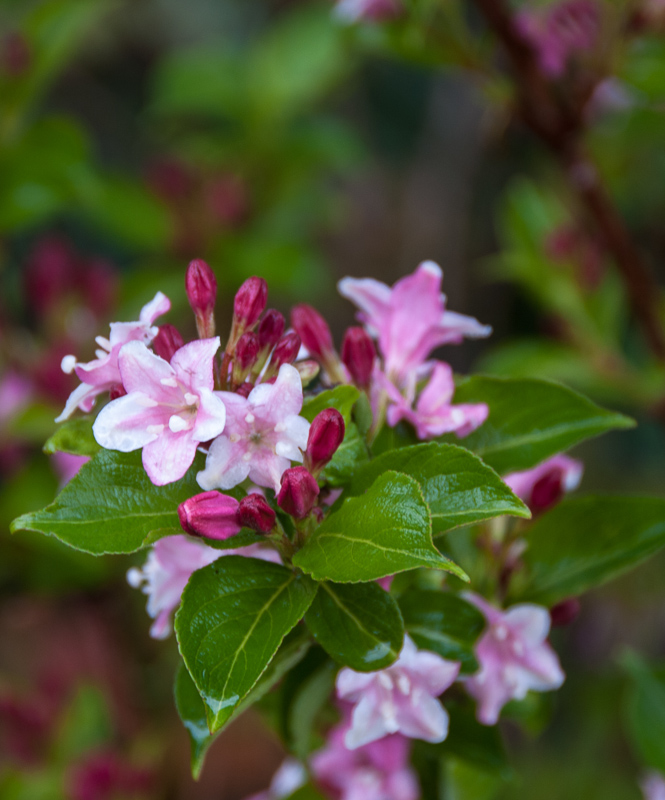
x=167 y=342
x=255 y=513
x=249 y=304
x=117 y=391
x=546 y=492
x=358 y=355
x=564 y=613
x=201 y=287
x=244 y=389
x=271 y=329
x=326 y=434
x=212 y=515
x=313 y=331
x=285 y=352
x=308 y=370
x=298 y=492
x=246 y=354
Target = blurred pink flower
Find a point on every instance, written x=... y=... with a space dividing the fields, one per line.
x=16 y=392
x=434 y=413
x=290 y=776
x=263 y=434
x=514 y=658
x=653 y=786
x=169 y=409
x=374 y=10
x=67 y=465
x=103 y=373
x=169 y=566
x=544 y=485
x=398 y=699
x=105 y=776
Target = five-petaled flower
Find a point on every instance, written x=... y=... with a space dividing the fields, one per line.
x=514 y=657
x=263 y=434
x=169 y=409
x=398 y=699
x=103 y=373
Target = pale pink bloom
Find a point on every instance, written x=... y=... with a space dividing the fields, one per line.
x=514 y=657
x=653 y=786
x=168 y=567
x=15 y=394
x=398 y=699
x=410 y=319
x=169 y=409
x=375 y=10
x=544 y=485
x=434 y=414
x=376 y=771
x=290 y=776
x=103 y=374
x=67 y=465
x=263 y=435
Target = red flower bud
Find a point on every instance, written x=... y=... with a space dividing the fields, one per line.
x=564 y=613
x=546 y=492
x=212 y=515
x=308 y=370
x=167 y=342
x=255 y=513
x=358 y=355
x=250 y=302
x=270 y=329
x=247 y=350
x=201 y=287
x=298 y=492
x=326 y=434
x=244 y=389
x=285 y=352
x=313 y=331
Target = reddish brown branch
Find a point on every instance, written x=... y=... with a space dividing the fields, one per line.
x=558 y=122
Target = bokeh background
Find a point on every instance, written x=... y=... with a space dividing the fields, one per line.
x=270 y=139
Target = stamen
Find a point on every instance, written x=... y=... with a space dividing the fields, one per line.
x=67 y=364
x=178 y=424
x=169 y=382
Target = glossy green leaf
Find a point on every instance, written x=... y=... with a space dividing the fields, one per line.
x=111 y=506
x=443 y=623
x=457 y=486
x=341 y=398
x=358 y=624
x=233 y=617
x=192 y=710
x=386 y=530
x=350 y=455
x=644 y=711
x=530 y=420
x=586 y=541
x=73 y=436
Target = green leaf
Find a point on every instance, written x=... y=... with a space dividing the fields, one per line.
x=586 y=541
x=457 y=486
x=443 y=623
x=192 y=710
x=358 y=624
x=385 y=531
x=342 y=398
x=349 y=456
x=530 y=420
x=465 y=781
x=644 y=711
x=73 y=436
x=233 y=617
x=478 y=744
x=111 y=506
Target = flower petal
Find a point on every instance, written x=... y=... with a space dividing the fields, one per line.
x=225 y=466
x=193 y=363
x=159 y=305
x=129 y=423
x=210 y=417
x=143 y=371
x=82 y=397
x=274 y=402
x=167 y=458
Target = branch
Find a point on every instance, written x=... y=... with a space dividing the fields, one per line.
x=559 y=124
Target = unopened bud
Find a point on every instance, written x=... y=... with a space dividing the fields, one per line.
x=546 y=492
x=358 y=356
x=244 y=389
x=313 y=331
x=201 y=287
x=308 y=370
x=117 y=391
x=298 y=492
x=270 y=329
x=212 y=515
x=564 y=613
x=167 y=342
x=250 y=302
x=285 y=352
x=326 y=434
x=255 y=513
x=246 y=353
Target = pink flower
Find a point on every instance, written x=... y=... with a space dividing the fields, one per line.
x=67 y=465
x=290 y=776
x=169 y=409
x=103 y=374
x=374 y=10
x=376 y=771
x=167 y=569
x=514 y=658
x=263 y=434
x=409 y=319
x=398 y=699
x=544 y=485
x=15 y=394
x=433 y=414
x=653 y=786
